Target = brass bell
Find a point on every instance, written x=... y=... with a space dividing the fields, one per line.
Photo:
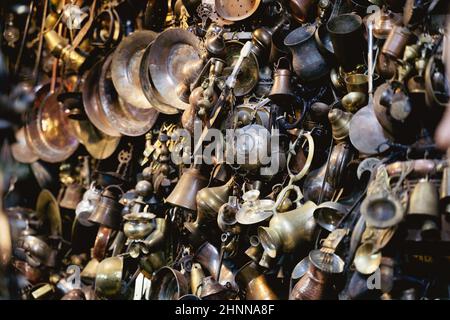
x=288 y=229
x=444 y=191
x=255 y=283
x=353 y=101
x=424 y=201
x=328 y=214
x=340 y=123
x=423 y=210
x=108 y=210
x=209 y=201
x=281 y=92
x=185 y=191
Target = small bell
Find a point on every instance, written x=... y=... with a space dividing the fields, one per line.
x=340 y=124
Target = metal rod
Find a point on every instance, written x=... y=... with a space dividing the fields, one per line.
x=24 y=38
x=41 y=42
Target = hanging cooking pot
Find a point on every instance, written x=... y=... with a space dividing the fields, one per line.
x=346 y=32
x=307 y=62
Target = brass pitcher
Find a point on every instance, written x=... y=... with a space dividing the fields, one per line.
x=209 y=201
x=254 y=283
x=288 y=229
x=185 y=191
x=108 y=210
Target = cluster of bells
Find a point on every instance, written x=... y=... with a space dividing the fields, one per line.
x=356 y=96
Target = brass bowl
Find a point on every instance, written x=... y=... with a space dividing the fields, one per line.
x=353 y=101
x=138 y=225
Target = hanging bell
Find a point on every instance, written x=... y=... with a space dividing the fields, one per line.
x=185 y=191
x=423 y=210
x=108 y=279
x=281 y=92
x=108 y=210
x=340 y=124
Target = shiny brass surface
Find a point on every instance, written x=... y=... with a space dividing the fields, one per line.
x=287 y=230
x=108 y=279
x=185 y=192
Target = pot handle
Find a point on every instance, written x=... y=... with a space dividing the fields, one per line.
x=287 y=61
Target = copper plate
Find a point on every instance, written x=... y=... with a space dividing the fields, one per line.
x=91 y=101
x=171 y=50
x=248 y=77
x=125 y=65
x=47 y=130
